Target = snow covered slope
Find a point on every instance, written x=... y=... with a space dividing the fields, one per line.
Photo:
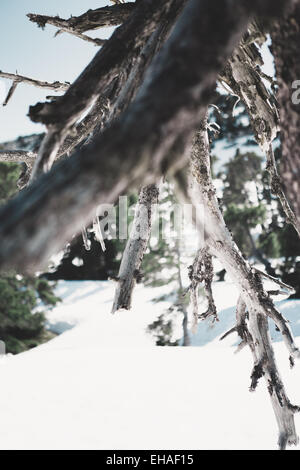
x=102 y=384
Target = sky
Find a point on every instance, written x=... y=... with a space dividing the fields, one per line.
x=35 y=53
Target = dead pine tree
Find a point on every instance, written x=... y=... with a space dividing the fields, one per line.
x=138 y=112
x=255 y=305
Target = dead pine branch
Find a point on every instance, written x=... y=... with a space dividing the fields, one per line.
x=278 y=191
x=93 y=178
x=135 y=247
x=64 y=26
x=201 y=271
x=112 y=15
x=243 y=77
x=124 y=46
x=253 y=297
x=17 y=79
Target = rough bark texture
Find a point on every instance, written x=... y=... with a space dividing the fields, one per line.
x=258 y=303
x=130 y=266
x=135 y=249
x=17 y=156
x=112 y=60
x=243 y=76
x=135 y=149
x=90 y=20
x=201 y=271
x=285 y=47
x=64 y=26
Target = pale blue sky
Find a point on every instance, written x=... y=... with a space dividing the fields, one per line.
x=36 y=53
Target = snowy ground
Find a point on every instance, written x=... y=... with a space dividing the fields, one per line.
x=102 y=384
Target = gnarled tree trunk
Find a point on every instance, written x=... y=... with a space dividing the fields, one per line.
x=285 y=47
x=258 y=303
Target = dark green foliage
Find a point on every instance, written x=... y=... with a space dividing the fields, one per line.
x=160 y=265
x=20 y=327
x=270 y=244
x=9 y=175
x=45 y=291
x=162 y=329
x=22 y=298
x=240 y=213
x=240 y=220
x=277 y=240
x=241 y=169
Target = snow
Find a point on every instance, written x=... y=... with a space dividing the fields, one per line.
x=102 y=384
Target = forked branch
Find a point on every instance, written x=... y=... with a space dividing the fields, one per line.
x=17 y=79
x=253 y=326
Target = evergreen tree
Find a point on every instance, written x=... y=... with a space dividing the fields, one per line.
x=241 y=212
x=23 y=298
x=162 y=265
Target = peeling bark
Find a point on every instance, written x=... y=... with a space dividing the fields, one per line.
x=256 y=300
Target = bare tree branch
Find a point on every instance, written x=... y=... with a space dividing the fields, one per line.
x=201 y=271
x=133 y=150
x=116 y=97
x=57 y=86
x=244 y=79
x=17 y=156
x=126 y=43
x=135 y=248
x=274 y=279
x=258 y=303
x=92 y=19
x=277 y=190
x=65 y=26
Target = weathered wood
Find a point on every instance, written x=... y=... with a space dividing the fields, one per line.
x=257 y=301
x=64 y=26
x=125 y=44
x=245 y=80
x=278 y=190
x=135 y=247
x=17 y=156
x=112 y=15
x=285 y=47
x=16 y=79
x=125 y=91
x=201 y=271
x=134 y=150
x=57 y=86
